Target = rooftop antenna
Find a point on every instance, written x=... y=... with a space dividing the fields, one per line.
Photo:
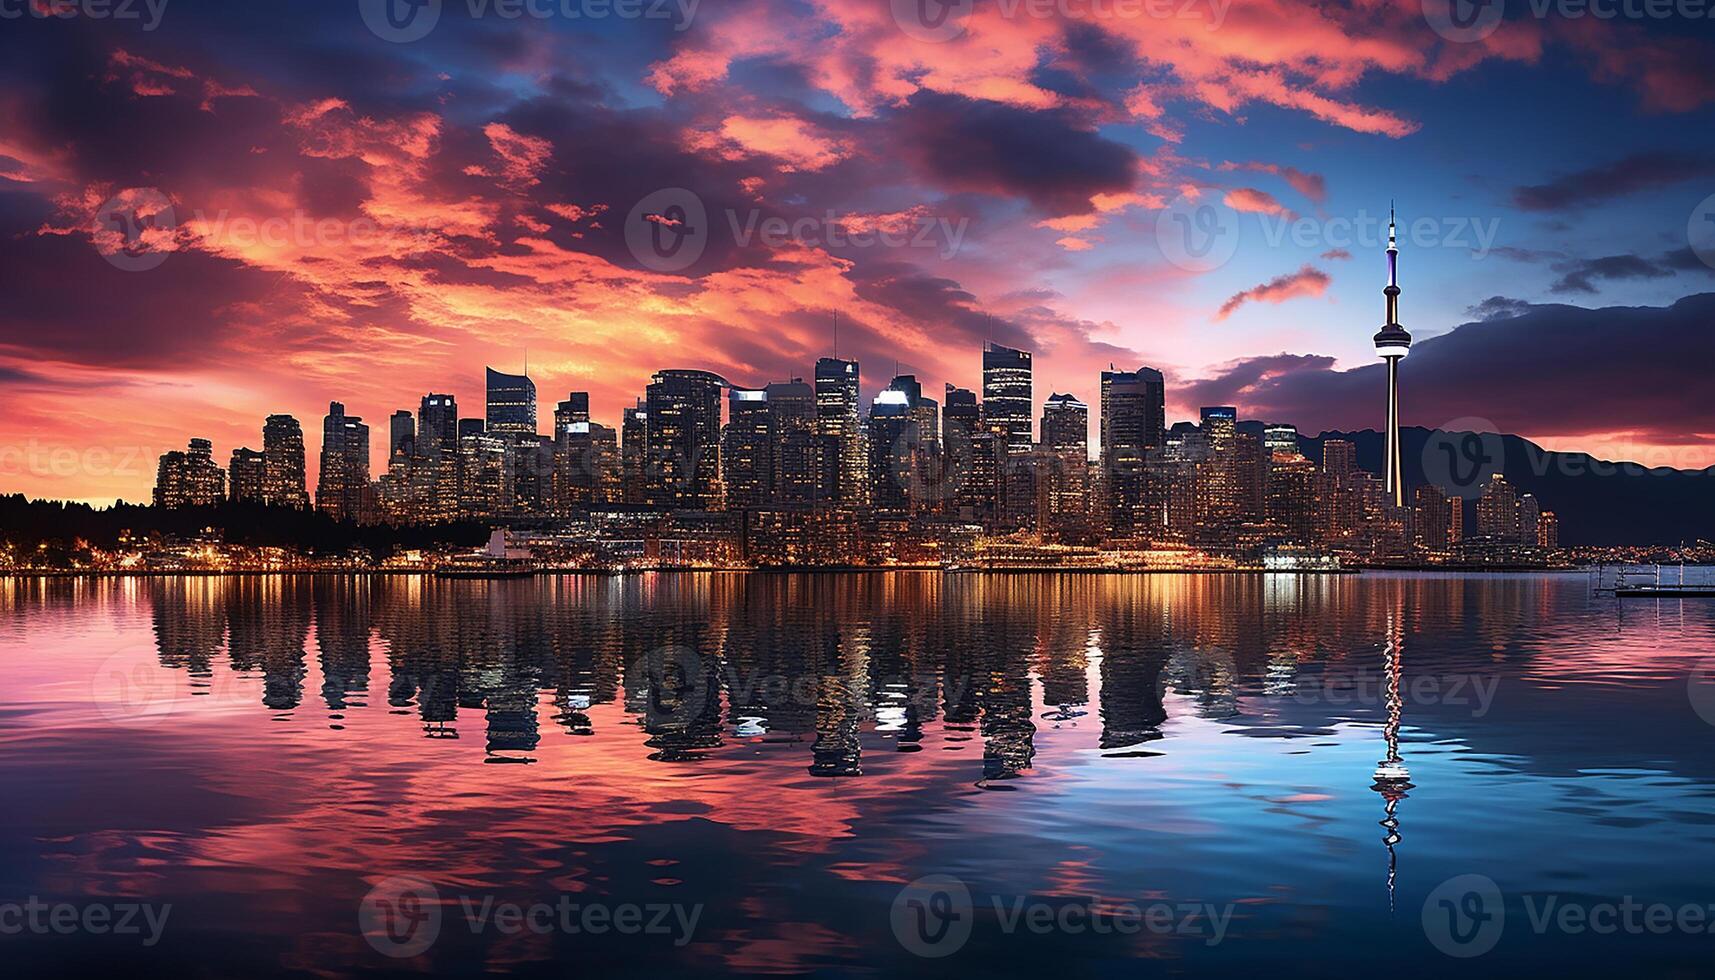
x=836 y=334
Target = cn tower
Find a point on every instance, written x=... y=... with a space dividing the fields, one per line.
x=1392 y=344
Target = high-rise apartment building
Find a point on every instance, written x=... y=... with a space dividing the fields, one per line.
x=684 y=462
x=837 y=418
x=189 y=478
x=247 y=476
x=342 y=487
x=511 y=404
x=283 y=457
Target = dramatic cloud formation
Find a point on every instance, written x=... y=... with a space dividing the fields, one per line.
x=257 y=209
x=1308 y=281
x=1638 y=172
x=1544 y=370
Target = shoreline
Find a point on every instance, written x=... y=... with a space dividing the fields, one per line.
x=784 y=570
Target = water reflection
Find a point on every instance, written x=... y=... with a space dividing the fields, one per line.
x=845 y=663
x=790 y=749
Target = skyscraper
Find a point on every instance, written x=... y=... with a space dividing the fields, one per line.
x=247 y=476
x=805 y=464
x=401 y=435
x=1006 y=412
x=189 y=478
x=342 y=486
x=283 y=457
x=682 y=470
x=437 y=424
x=511 y=404
x=747 y=449
x=1392 y=344
x=1063 y=466
x=1133 y=424
x=1007 y=395
x=837 y=417
x=892 y=453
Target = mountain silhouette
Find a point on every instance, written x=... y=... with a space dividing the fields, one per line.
x=1598 y=502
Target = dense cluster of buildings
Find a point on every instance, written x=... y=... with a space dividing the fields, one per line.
x=701 y=470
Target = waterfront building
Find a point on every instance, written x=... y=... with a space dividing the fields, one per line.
x=683 y=467
x=511 y=404
x=342 y=486
x=837 y=418
x=283 y=458
x=189 y=477
x=247 y=476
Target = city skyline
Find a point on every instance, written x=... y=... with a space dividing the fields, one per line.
x=864 y=192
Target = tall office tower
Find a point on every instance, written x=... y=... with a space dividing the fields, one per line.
x=1392 y=344
x=1218 y=476
x=511 y=404
x=1007 y=395
x=633 y=452
x=1278 y=437
x=804 y=463
x=283 y=453
x=1339 y=459
x=1250 y=476
x=1133 y=423
x=1498 y=511
x=1547 y=530
x=438 y=424
x=576 y=407
x=1529 y=515
x=684 y=459
x=342 y=487
x=247 y=476
x=1456 y=523
x=189 y=478
x=433 y=480
x=925 y=439
x=837 y=418
x=893 y=455
x=969 y=490
x=482 y=476
x=529 y=474
x=1063 y=467
x=587 y=467
x=747 y=444
x=471 y=427
x=401 y=435
x=1007 y=410
x=1291 y=503
x=1432 y=519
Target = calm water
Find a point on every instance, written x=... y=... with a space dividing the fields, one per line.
x=746 y=774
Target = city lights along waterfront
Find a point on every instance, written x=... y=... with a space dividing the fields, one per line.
x=797 y=473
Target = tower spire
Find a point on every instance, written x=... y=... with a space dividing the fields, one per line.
x=1392 y=344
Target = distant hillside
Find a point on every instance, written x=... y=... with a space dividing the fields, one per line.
x=1598 y=502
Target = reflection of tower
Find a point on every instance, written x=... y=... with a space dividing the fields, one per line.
x=1392 y=778
x=1392 y=344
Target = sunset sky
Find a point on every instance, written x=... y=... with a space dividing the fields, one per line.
x=367 y=219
